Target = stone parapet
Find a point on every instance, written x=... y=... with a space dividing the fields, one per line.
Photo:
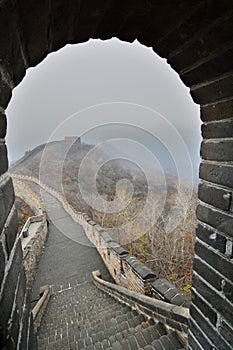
x=173 y=317
x=126 y=270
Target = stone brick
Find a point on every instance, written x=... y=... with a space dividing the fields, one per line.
x=211 y=237
x=209 y=330
x=7 y=198
x=9 y=194
x=219 y=263
x=10 y=48
x=59 y=13
x=5 y=92
x=3 y=157
x=209 y=70
x=197 y=335
x=217 y=197
x=178 y=299
x=219 y=303
x=3 y=214
x=10 y=231
x=3 y=122
x=21 y=290
x=201 y=47
x=217 y=150
x=219 y=220
x=216 y=90
x=111 y=22
x=208 y=274
x=168 y=291
x=164 y=20
x=205 y=308
x=91 y=20
x=2 y=263
x=23 y=340
x=13 y=327
x=220 y=129
x=162 y=285
x=217 y=111
x=9 y=289
x=184 y=33
x=133 y=26
x=219 y=174
x=226 y=331
x=36 y=41
x=228 y=290
x=9 y=345
x=171 y=293
x=140 y=268
x=32 y=341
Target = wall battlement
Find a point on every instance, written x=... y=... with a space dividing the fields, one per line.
x=126 y=270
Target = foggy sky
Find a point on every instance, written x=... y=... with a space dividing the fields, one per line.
x=98 y=72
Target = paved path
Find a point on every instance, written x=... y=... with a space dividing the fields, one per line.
x=79 y=315
x=65 y=262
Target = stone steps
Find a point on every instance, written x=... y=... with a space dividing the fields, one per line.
x=83 y=317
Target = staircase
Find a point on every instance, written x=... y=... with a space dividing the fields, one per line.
x=84 y=317
x=80 y=315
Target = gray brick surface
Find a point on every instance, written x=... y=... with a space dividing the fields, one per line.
x=79 y=315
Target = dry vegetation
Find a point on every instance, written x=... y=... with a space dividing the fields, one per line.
x=24 y=212
x=168 y=254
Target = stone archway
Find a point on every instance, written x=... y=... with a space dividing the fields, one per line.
x=196 y=38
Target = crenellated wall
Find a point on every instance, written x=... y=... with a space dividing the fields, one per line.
x=196 y=38
x=29 y=196
x=32 y=249
x=126 y=270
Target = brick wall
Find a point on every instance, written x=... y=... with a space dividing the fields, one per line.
x=29 y=196
x=32 y=251
x=196 y=38
x=129 y=272
x=16 y=323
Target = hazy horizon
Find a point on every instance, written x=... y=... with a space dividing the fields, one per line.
x=126 y=84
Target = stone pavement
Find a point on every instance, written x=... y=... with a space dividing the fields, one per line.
x=79 y=315
x=83 y=317
x=65 y=262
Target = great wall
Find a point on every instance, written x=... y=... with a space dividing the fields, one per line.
x=195 y=37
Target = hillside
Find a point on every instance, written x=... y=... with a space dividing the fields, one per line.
x=170 y=255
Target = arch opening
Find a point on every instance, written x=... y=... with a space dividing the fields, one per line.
x=202 y=56
x=136 y=97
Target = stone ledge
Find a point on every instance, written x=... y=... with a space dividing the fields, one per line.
x=40 y=306
x=166 y=291
x=173 y=316
x=143 y=271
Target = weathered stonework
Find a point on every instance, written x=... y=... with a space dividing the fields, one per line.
x=30 y=197
x=196 y=39
x=33 y=250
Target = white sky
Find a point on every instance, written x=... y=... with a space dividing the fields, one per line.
x=99 y=72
